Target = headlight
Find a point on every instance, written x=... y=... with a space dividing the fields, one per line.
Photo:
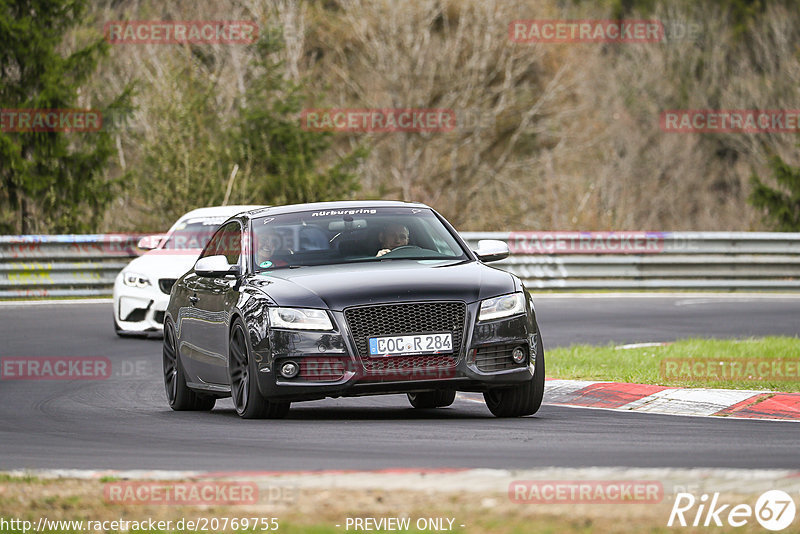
x=300 y=319
x=135 y=280
x=503 y=306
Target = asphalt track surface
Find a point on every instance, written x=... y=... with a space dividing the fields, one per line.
x=123 y=422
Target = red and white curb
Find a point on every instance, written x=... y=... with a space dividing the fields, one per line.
x=746 y=404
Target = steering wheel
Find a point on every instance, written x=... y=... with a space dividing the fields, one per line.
x=406 y=247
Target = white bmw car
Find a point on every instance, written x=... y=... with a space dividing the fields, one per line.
x=141 y=289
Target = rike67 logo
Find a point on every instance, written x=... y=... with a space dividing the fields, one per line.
x=774 y=510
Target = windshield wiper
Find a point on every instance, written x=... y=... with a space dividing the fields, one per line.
x=417 y=258
x=457 y=262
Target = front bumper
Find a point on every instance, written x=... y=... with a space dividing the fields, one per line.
x=139 y=310
x=331 y=366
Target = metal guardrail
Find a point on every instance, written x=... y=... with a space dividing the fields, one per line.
x=86 y=265
x=652 y=260
x=63 y=265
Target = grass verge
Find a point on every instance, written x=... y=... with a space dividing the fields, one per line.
x=769 y=363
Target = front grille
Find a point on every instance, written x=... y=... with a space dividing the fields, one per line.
x=420 y=367
x=405 y=319
x=321 y=369
x=498 y=357
x=165 y=284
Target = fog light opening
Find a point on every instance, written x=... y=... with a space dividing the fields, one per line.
x=290 y=370
x=518 y=355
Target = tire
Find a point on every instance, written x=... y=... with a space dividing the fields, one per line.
x=247 y=399
x=179 y=396
x=524 y=399
x=432 y=399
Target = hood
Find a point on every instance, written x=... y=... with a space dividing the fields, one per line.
x=164 y=263
x=338 y=286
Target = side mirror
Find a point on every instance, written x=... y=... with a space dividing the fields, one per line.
x=491 y=250
x=150 y=242
x=215 y=266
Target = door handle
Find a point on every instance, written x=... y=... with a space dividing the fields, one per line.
x=194 y=299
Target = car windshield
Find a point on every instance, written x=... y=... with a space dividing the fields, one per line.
x=193 y=234
x=329 y=237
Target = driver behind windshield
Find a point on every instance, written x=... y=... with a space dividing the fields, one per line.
x=392 y=236
x=267 y=242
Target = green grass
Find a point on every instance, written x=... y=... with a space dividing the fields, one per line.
x=6 y=477
x=707 y=363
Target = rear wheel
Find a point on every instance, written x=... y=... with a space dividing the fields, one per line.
x=432 y=399
x=524 y=399
x=247 y=399
x=179 y=396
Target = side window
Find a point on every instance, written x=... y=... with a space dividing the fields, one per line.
x=230 y=242
x=211 y=246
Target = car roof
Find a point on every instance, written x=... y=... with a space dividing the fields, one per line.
x=336 y=205
x=219 y=211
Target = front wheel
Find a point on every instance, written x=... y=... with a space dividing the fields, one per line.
x=247 y=399
x=524 y=399
x=432 y=399
x=179 y=396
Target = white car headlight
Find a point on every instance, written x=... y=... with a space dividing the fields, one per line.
x=300 y=319
x=135 y=280
x=502 y=306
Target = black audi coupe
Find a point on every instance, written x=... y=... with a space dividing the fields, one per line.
x=345 y=299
